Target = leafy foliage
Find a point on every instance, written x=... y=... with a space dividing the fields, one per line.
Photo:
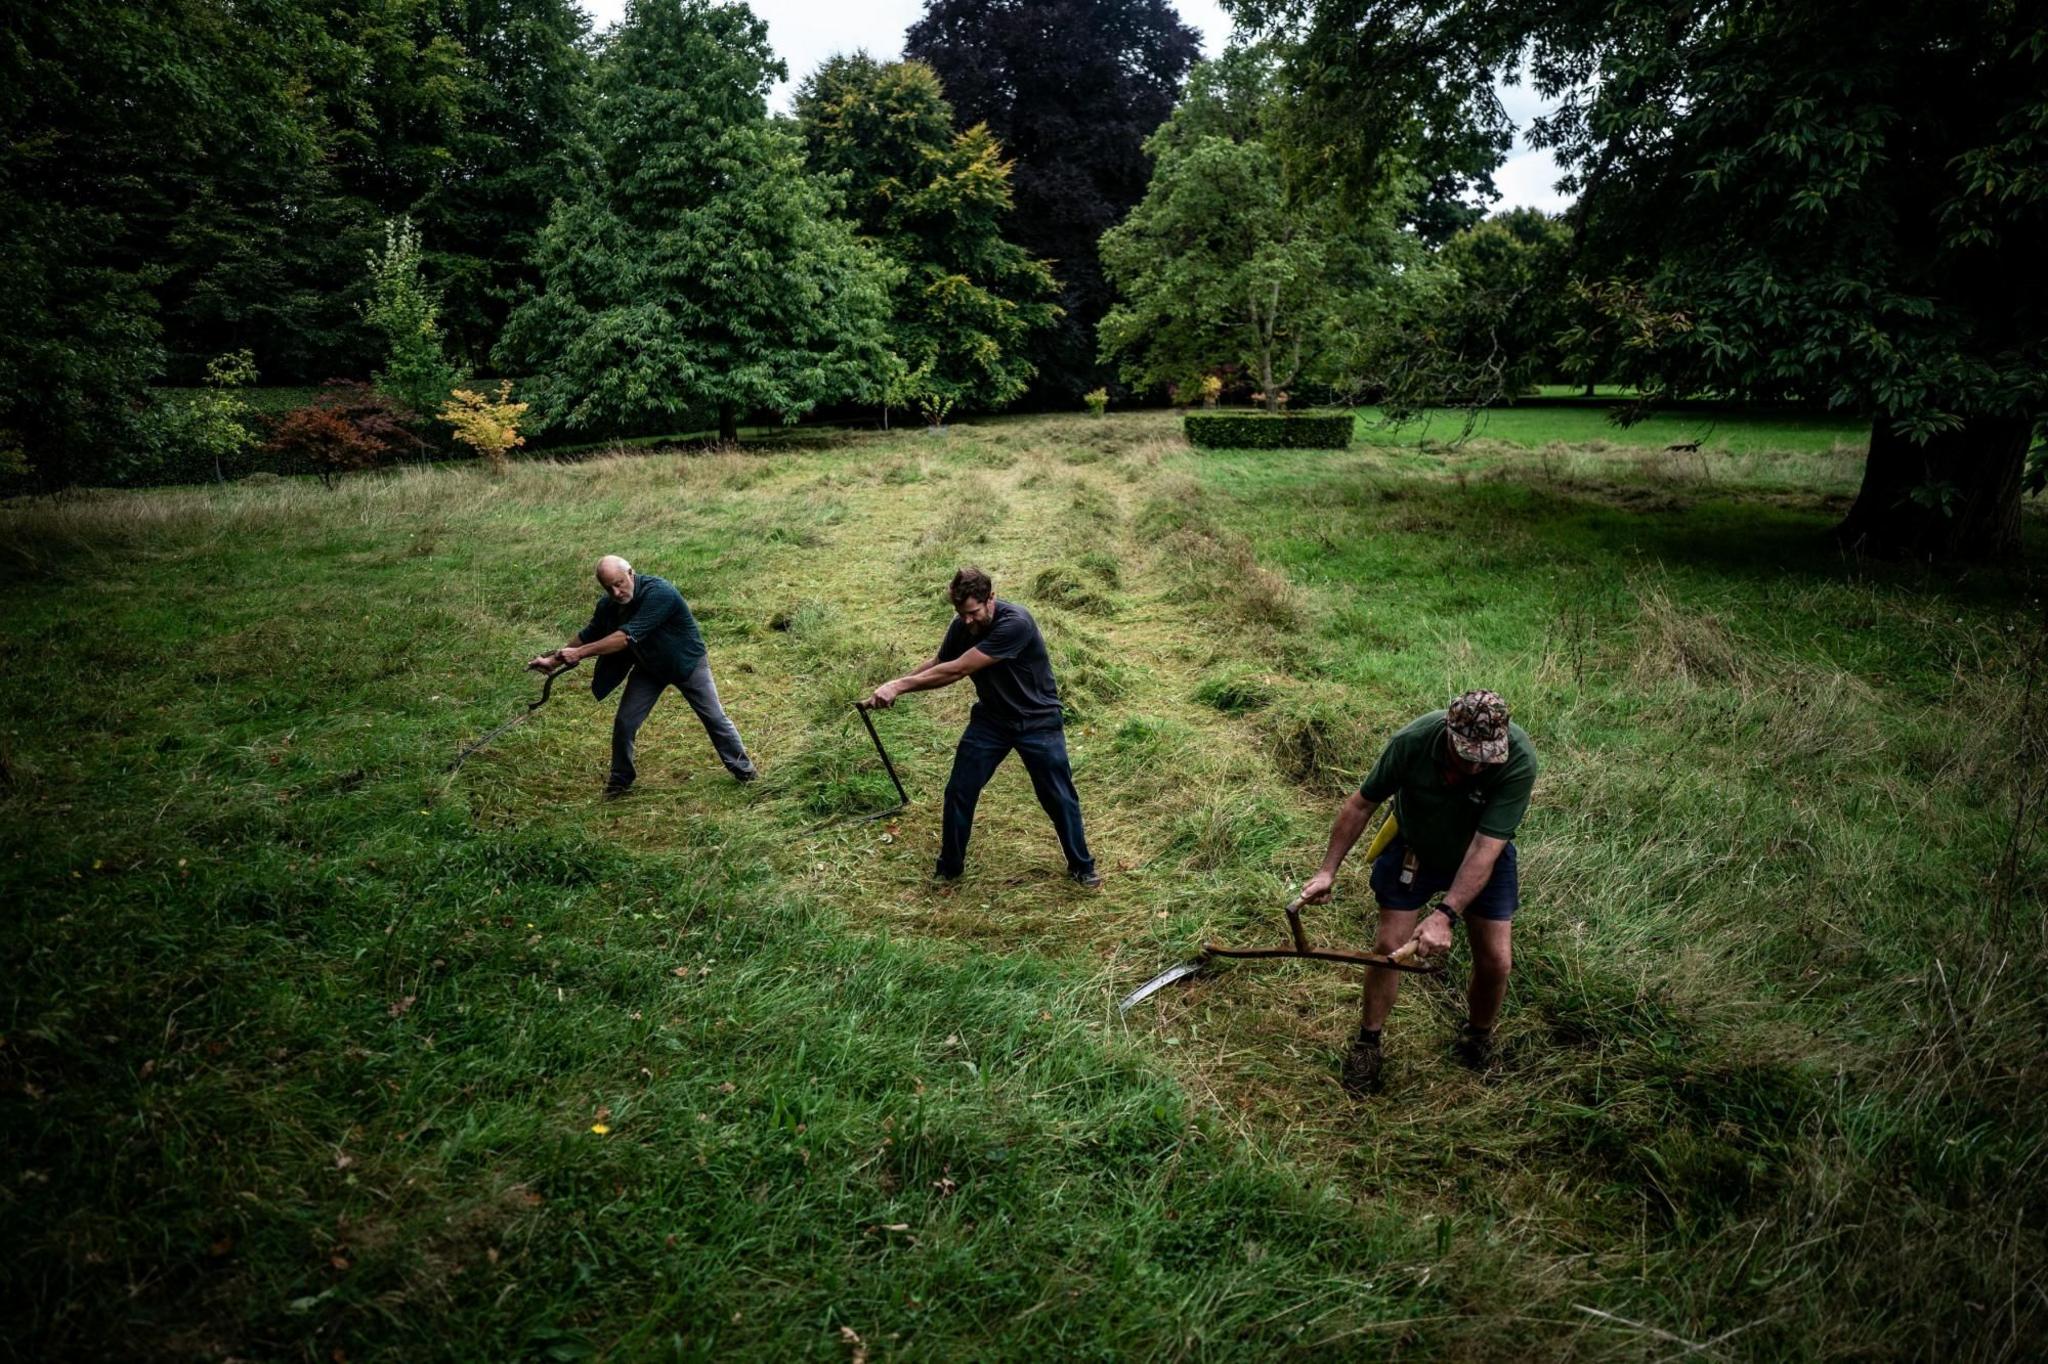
x=1225 y=262
x=349 y=427
x=698 y=266
x=1071 y=89
x=456 y=113
x=406 y=312
x=1839 y=204
x=220 y=415
x=323 y=441
x=489 y=425
x=1392 y=100
x=1506 y=308
x=104 y=114
x=934 y=201
x=196 y=177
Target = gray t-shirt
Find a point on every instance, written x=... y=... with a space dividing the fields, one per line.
x=1017 y=690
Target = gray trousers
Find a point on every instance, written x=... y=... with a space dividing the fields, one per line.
x=643 y=689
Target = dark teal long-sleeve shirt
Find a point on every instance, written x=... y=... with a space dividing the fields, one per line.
x=657 y=620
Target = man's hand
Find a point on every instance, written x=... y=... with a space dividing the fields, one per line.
x=884 y=696
x=546 y=662
x=1432 y=938
x=1317 y=891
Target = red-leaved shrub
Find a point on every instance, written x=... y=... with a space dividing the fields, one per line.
x=349 y=427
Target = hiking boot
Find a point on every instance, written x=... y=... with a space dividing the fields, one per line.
x=1475 y=1047
x=1086 y=880
x=1362 y=1066
x=750 y=774
x=614 y=791
x=942 y=877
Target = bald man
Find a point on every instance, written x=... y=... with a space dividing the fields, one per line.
x=642 y=632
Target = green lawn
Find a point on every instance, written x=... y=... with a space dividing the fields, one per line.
x=313 y=1051
x=1535 y=425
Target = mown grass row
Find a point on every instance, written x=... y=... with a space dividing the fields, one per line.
x=305 y=1042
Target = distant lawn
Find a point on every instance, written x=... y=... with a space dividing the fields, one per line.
x=1535 y=426
x=312 y=1050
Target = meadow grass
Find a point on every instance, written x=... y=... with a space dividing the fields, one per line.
x=308 y=1044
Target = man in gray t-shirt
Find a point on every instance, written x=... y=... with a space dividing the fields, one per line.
x=996 y=644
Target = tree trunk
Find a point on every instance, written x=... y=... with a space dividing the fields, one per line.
x=1956 y=497
x=728 y=424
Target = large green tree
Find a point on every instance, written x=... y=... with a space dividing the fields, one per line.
x=1224 y=262
x=109 y=116
x=967 y=300
x=455 y=113
x=697 y=267
x=1071 y=89
x=525 y=67
x=1492 y=330
x=1833 y=203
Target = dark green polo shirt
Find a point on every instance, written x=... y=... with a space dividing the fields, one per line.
x=1439 y=807
x=658 y=621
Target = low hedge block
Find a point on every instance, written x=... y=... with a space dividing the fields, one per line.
x=1268 y=431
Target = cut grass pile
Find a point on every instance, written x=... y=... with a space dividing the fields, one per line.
x=311 y=1051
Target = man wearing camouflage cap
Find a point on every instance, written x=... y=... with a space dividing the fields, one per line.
x=1460 y=780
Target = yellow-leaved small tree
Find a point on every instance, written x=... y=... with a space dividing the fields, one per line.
x=489 y=426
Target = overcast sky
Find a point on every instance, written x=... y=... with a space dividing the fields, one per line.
x=806 y=32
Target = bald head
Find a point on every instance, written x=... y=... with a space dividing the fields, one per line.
x=615 y=576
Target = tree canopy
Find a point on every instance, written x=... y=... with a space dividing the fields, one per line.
x=1840 y=204
x=193 y=178
x=1224 y=263
x=698 y=268
x=967 y=301
x=1071 y=89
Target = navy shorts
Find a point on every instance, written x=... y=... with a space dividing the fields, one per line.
x=1498 y=900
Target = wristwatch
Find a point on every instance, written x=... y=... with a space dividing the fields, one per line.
x=1453 y=915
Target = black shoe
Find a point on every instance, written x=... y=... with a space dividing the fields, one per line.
x=614 y=791
x=945 y=878
x=751 y=774
x=1086 y=880
x=1362 y=1066
x=1475 y=1047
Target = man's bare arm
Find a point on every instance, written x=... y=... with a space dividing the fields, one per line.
x=1433 y=933
x=1352 y=818
x=1474 y=871
x=575 y=649
x=930 y=677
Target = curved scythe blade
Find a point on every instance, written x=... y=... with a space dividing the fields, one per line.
x=1160 y=982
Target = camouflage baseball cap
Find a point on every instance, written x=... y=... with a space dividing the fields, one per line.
x=1478 y=725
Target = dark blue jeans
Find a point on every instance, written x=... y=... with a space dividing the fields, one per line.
x=1044 y=752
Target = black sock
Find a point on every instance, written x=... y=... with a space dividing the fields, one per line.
x=1369 y=1035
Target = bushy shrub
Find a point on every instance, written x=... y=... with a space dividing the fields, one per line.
x=191 y=438
x=349 y=427
x=322 y=441
x=1265 y=431
x=1097 y=400
x=405 y=309
x=489 y=426
x=376 y=414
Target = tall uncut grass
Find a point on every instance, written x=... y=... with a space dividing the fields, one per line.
x=311 y=1050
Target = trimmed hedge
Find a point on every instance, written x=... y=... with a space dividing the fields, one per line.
x=1268 y=431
